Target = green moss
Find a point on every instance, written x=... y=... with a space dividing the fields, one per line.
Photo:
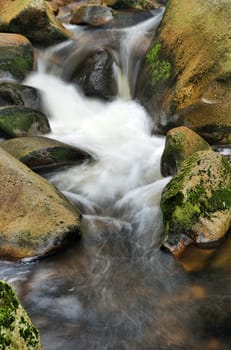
x=15 y=323
x=14 y=120
x=17 y=60
x=183 y=204
x=160 y=68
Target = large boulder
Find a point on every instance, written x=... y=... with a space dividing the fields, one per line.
x=16 y=329
x=180 y=144
x=34 y=19
x=42 y=153
x=196 y=203
x=16 y=121
x=16 y=56
x=185 y=76
x=36 y=219
x=12 y=93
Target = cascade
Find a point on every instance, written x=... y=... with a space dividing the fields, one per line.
x=115 y=289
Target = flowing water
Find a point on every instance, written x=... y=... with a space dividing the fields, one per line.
x=116 y=289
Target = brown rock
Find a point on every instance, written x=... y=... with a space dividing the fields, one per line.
x=35 y=218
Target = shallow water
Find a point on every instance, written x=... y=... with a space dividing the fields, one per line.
x=115 y=289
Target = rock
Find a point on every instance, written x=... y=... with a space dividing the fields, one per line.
x=36 y=219
x=41 y=153
x=16 y=121
x=12 y=93
x=94 y=15
x=180 y=144
x=34 y=19
x=95 y=75
x=16 y=56
x=196 y=203
x=137 y=4
x=189 y=63
x=16 y=329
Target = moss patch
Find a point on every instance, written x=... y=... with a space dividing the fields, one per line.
x=16 y=329
x=160 y=68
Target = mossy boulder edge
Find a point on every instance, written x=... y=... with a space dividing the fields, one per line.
x=196 y=203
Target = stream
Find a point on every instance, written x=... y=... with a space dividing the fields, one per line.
x=116 y=289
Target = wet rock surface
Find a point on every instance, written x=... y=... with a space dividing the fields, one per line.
x=96 y=76
x=12 y=93
x=196 y=204
x=44 y=154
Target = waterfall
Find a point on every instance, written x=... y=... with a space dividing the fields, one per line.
x=115 y=289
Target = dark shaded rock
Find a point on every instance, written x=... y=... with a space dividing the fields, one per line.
x=185 y=76
x=196 y=203
x=34 y=19
x=16 y=121
x=180 y=144
x=12 y=93
x=95 y=75
x=16 y=329
x=94 y=15
x=16 y=56
x=41 y=153
x=36 y=219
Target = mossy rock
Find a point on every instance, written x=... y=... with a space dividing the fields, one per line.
x=196 y=204
x=12 y=93
x=185 y=77
x=16 y=329
x=180 y=144
x=41 y=153
x=34 y=19
x=36 y=219
x=16 y=121
x=16 y=56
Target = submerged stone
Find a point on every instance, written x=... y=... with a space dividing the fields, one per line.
x=34 y=19
x=16 y=56
x=196 y=203
x=180 y=144
x=16 y=121
x=185 y=76
x=36 y=219
x=41 y=153
x=16 y=329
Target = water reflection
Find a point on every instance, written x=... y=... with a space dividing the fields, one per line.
x=103 y=294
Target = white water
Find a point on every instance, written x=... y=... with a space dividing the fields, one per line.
x=116 y=289
x=125 y=176
x=124 y=180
